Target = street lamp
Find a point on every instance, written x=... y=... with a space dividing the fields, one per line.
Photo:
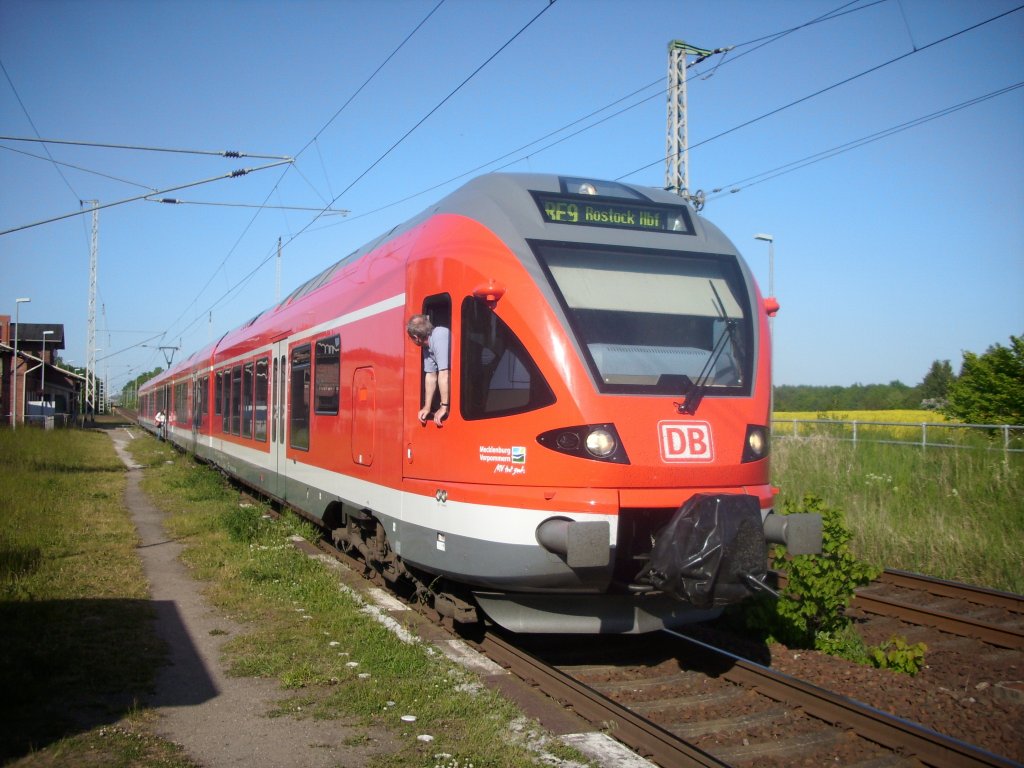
x=771 y=315
x=771 y=261
x=14 y=367
x=42 y=373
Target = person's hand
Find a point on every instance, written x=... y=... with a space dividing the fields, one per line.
x=423 y=414
x=439 y=415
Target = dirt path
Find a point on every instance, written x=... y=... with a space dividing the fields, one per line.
x=220 y=721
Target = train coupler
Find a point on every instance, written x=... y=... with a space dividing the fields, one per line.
x=710 y=550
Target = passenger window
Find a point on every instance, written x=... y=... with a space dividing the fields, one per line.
x=236 y=399
x=247 y=382
x=298 y=427
x=498 y=376
x=260 y=430
x=328 y=375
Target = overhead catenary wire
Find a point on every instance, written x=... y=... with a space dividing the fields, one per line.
x=379 y=159
x=843 y=82
x=139 y=148
x=232 y=175
x=817 y=157
x=293 y=166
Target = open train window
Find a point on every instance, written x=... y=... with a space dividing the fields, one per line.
x=498 y=376
x=298 y=412
x=439 y=309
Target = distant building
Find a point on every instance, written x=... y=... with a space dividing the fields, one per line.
x=43 y=389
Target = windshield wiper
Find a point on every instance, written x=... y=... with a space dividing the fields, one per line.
x=694 y=392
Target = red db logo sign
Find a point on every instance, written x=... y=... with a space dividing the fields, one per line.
x=685 y=441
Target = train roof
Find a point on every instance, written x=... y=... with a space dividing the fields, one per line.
x=507 y=204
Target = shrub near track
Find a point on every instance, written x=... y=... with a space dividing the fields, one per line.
x=78 y=643
x=332 y=660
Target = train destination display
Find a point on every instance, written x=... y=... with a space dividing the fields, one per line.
x=570 y=209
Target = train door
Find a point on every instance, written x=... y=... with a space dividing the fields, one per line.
x=426 y=445
x=278 y=398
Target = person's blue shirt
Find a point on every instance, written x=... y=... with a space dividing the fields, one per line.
x=436 y=350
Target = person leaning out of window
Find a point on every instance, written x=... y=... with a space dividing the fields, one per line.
x=435 y=344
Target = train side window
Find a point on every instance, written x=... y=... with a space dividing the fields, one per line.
x=236 y=399
x=275 y=396
x=328 y=375
x=498 y=376
x=224 y=400
x=247 y=383
x=298 y=412
x=260 y=414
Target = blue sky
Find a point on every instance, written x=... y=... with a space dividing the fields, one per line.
x=889 y=256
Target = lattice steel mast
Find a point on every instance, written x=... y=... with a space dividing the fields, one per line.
x=90 y=341
x=677 y=171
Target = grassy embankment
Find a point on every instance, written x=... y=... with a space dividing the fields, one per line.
x=79 y=640
x=954 y=513
x=78 y=648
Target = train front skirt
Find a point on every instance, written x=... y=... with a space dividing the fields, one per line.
x=711 y=554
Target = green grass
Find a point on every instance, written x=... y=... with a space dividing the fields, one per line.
x=78 y=645
x=333 y=662
x=953 y=513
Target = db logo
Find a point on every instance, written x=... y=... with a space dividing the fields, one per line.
x=685 y=441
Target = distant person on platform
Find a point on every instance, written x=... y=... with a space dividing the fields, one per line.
x=435 y=344
x=161 y=420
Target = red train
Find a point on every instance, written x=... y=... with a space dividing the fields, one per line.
x=603 y=462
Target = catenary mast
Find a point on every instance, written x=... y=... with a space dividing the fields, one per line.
x=677 y=171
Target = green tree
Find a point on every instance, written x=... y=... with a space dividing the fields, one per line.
x=990 y=388
x=936 y=383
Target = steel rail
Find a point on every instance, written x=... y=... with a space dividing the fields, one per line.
x=944 y=588
x=908 y=738
x=633 y=730
x=964 y=626
x=956 y=624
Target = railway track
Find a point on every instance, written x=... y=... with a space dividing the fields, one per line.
x=681 y=702
x=726 y=711
x=993 y=617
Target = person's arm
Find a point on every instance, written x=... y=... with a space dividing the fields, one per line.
x=429 y=387
x=443 y=386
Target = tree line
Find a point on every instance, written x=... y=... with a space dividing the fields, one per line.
x=989 y=389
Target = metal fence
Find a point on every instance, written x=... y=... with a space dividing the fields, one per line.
x=1008 y=438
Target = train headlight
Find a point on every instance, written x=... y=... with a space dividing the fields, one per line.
x=587 y=441
x=601 y=443
x=755 y=446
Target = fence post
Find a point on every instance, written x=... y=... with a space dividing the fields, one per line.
x=924 y=434
x=855 y=432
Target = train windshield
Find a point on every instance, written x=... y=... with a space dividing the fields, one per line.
x=646 y=319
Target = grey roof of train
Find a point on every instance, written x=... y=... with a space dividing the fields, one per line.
x=502 y=203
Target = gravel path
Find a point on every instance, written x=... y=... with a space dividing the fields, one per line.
x=220 y=721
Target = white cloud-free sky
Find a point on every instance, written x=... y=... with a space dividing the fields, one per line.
x=896 y=253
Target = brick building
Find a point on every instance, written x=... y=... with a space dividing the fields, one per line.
x=43 y=389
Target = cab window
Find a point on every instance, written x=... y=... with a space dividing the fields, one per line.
x=498 y=376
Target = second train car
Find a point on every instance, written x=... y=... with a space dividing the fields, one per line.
x=603 y=464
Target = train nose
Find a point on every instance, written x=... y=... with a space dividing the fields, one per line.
x=582 y=543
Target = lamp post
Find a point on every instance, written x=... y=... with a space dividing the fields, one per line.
x=14 y=367
x=771 y=261
x=42 y=374
x=771 y=318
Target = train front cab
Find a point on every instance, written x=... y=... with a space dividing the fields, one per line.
x=508 y=495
